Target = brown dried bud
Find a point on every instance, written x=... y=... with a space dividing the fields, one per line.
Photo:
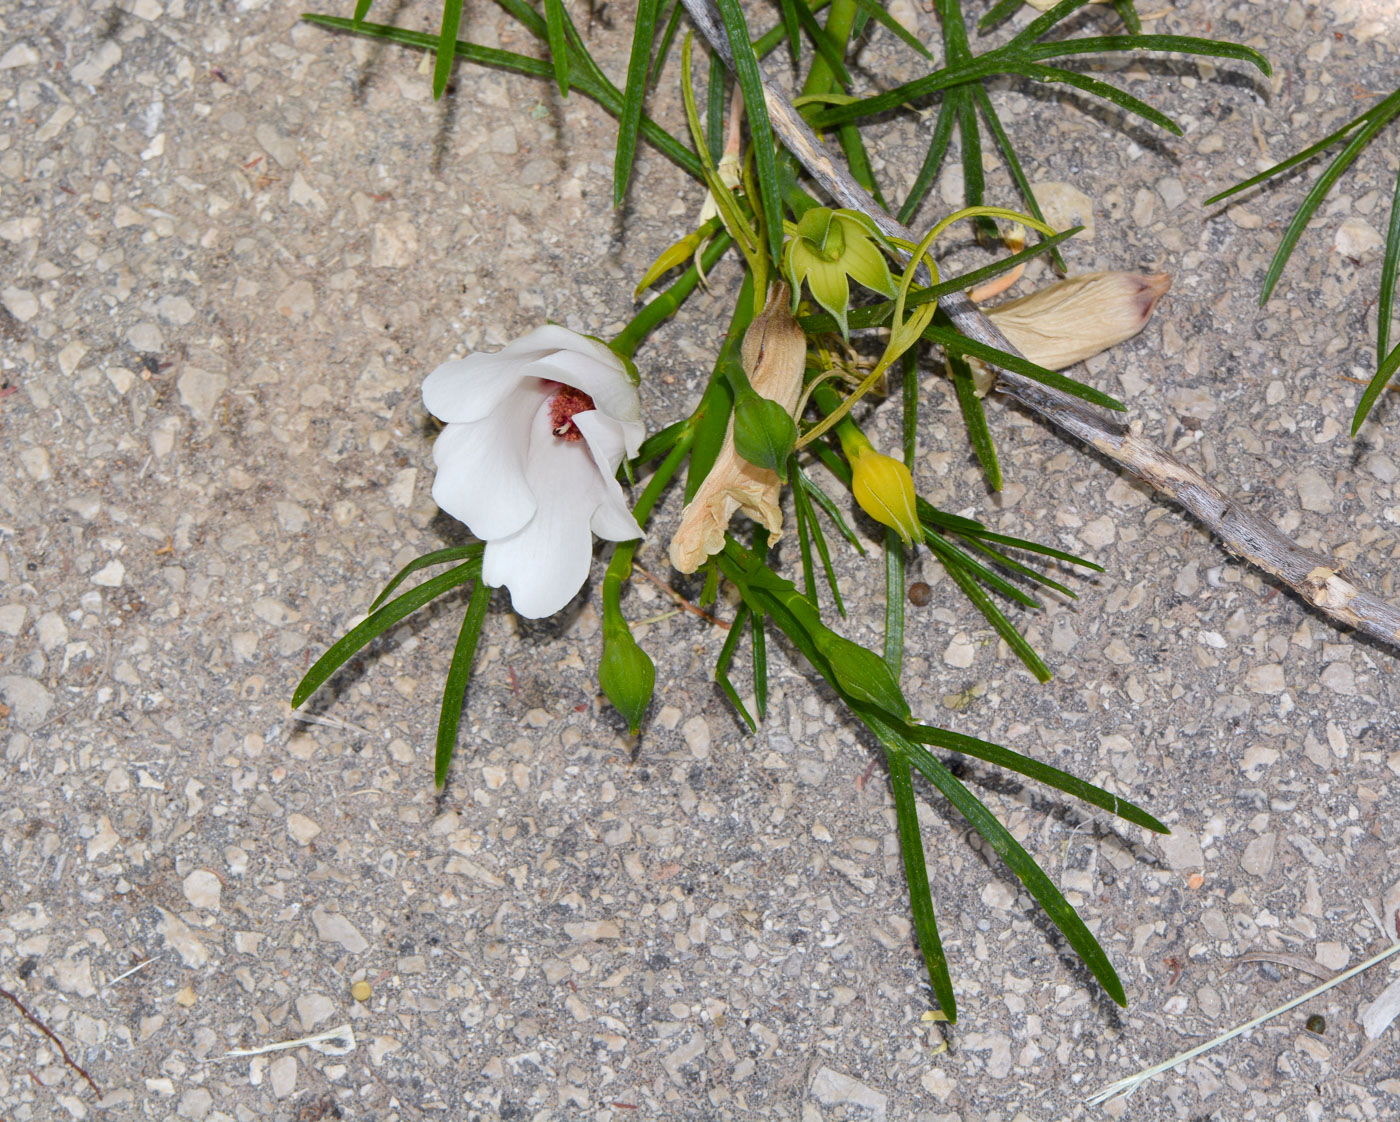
x=774 y=353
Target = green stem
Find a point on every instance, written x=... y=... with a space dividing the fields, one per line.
x=822 y=78
x=620 y=567
x=666 y=304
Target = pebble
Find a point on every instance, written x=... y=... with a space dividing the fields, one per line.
x=21 y=54
x=1258 y=856
x=1313 y=491
x=12 y=618
x=332 y=927
x=200 y=391
x=697 y=737
x=1065 y=205
x=1356 y=238
x=1182 y=849
x=29 y=701
x=961 y=651
x=313 y=1008
x=1266 y=679
x=182 y=940
x=302 y=828
x=282 y=1074
x=203 y=890
x=836 y=1088
x=22 y=303
x=196 y=1103
x=110 y=575
x=146 y=337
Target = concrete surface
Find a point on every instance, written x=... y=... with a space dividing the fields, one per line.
x=233 y=244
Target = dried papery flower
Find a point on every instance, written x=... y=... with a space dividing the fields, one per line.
x=1074 y=319
x=773 y=354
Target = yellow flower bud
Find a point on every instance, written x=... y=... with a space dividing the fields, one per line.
x=885 y=490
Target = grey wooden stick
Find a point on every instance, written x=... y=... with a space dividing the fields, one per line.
x=1317 y=578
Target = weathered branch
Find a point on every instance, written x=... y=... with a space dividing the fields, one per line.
x=1317 y=578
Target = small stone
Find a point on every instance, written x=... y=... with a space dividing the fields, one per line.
x=177 y=933
x=1099 y=533
x=296 y=301
x=1356 y=238
x=200 y=391
x=302 y=828
x=147 y=338
x=276 y=145
x=203 y=890
x=835 y=1088
x=186 y=997
x=961 y=651
x=332 y=927
x=1172 y=192
x=282 y=1073
x=361 y=991
x=196 y=1103
x=1182 y=849
x=697 y=737
x=588 y=931
x=1258 y=856
x=1065 y=205
x=314 y=1008
x=110 y=575
x=71 y=355
x=21 y=54
x=12 y=617
x=175 y=309
x=1313 y=491
x=1266 y=679
x=393 y=245
x=29 y=701
x=22 y=303
x=35 y=461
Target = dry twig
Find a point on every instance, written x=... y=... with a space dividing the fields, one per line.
x=38 y=1024
x=1317 y=578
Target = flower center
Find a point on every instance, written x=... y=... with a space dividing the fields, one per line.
x=562 y=407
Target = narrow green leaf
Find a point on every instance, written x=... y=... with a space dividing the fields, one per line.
x=955 y=343
x=1180 y=44
x=933 y=162
x=1380 y=109
x=909 y=384
x=668 y=38
x=362 y=10
x=791 y=28
x=436 y=557
x=873 y=10
x=629 y=122
x=974 y=177
x=714 y=109
x=1002 y=10
x=824 y=44
x=598 y=89
x=801 y=499
x=955 y=558
x=378 y=623
x=975 y=418
x=804 y=537
x=1088 y=84
x=1040 y=886
x=1128 y=13
x=558 y=44
x=761 y=133
x=1314 y=197
x=760 y=667
x=726 y=656
x=894 y=602
x=459 y=673
x=1040 y=772
x=911 y=848
x=712 y=421
x=1390 y=272
x=858 y=159
x=1043 y=23
x=823 y=500
x=1018 y=175
x=1387 y=370
x=1015 y=566
x=447 y=45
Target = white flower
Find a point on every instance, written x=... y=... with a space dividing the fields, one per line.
x=529 y=459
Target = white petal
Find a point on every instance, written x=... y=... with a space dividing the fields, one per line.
x=611 y=520
x=482 y=467
x=467 y=389
x=597 y=372
x=545 y=563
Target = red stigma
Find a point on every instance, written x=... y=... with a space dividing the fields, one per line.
x=562 y=407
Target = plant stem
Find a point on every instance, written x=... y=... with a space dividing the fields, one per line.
x=839 y=20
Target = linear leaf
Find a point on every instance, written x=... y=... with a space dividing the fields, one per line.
x=378 y=623
x=1388 y=369
x=1040 y=772
x=447 y=45
x=1040 y=886
x=362 y=9
x=873 y=10
x=975 y=418
x=956 y=343
x=630 y=119
x=459 y=673
x=668 y=38
x=1118 y=97
x=1180 y=44
x=436 y=557
x=760 y=132
x=1390 y=272
x=1018 y=175
x=933 y=162
x=558 y=44
x=726 y=655
x=894 y=602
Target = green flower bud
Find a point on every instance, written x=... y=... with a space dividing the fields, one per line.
x=626 y=673
x=764 y=432
x=861 y=672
